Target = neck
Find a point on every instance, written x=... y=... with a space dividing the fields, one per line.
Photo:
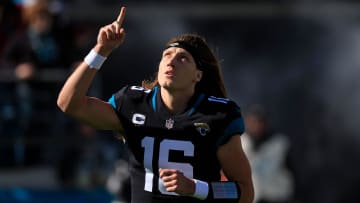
x=176 y=101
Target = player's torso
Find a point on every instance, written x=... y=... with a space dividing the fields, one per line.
x=186 y=142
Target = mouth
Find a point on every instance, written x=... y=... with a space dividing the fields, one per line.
x=170 y=73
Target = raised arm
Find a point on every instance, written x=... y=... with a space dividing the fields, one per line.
x=236 y=167
x=72 y=98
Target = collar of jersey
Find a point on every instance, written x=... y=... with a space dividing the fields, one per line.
x=158 y=105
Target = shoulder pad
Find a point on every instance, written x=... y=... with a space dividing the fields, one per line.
x=136 y=92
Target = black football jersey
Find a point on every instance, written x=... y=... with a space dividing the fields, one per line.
x=187 y=142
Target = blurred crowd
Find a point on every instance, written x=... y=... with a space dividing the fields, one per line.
x=38 y=50
x=297 y=147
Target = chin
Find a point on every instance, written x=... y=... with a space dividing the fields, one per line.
x=167 y=86
x=166 y=83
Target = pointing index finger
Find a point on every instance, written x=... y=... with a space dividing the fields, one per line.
x=121 y=15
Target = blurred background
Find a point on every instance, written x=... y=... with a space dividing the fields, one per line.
x=297 y=59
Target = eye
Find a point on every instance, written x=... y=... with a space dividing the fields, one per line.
x=184 y=58
x=166 y=54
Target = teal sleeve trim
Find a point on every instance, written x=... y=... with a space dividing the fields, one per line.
x=153 y=99
x=112 y=102
x=235 y=127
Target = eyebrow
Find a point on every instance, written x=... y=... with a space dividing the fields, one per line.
x=182 y=52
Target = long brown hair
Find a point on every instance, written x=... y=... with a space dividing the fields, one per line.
x=212 y=82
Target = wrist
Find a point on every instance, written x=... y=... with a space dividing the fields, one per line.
x=224 y=190
x=102 y=50
x=201 y=189
x=94 y=60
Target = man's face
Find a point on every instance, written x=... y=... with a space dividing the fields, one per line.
x=255 y=126
x=177 y=70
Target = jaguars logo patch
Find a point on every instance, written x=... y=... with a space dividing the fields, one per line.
x=202 y=128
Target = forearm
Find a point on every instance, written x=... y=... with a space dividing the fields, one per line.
x=236 y=167
x=247 y=193
x=245 y=184
x=73 y=93
x=175 y=181
x=241 y=174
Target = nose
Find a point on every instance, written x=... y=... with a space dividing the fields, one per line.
x=172 y=60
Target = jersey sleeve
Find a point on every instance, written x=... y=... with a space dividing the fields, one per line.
x=129 y=97
x=233 y=124
x=116 y=100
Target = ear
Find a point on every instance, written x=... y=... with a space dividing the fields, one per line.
x=199 y=75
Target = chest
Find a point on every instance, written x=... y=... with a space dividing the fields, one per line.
x=184 y=138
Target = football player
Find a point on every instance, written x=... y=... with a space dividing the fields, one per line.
x=180 y=128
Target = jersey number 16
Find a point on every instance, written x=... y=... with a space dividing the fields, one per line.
x=165 y=146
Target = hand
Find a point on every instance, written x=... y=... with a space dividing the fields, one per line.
x=175 y=181
x=111 y=36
